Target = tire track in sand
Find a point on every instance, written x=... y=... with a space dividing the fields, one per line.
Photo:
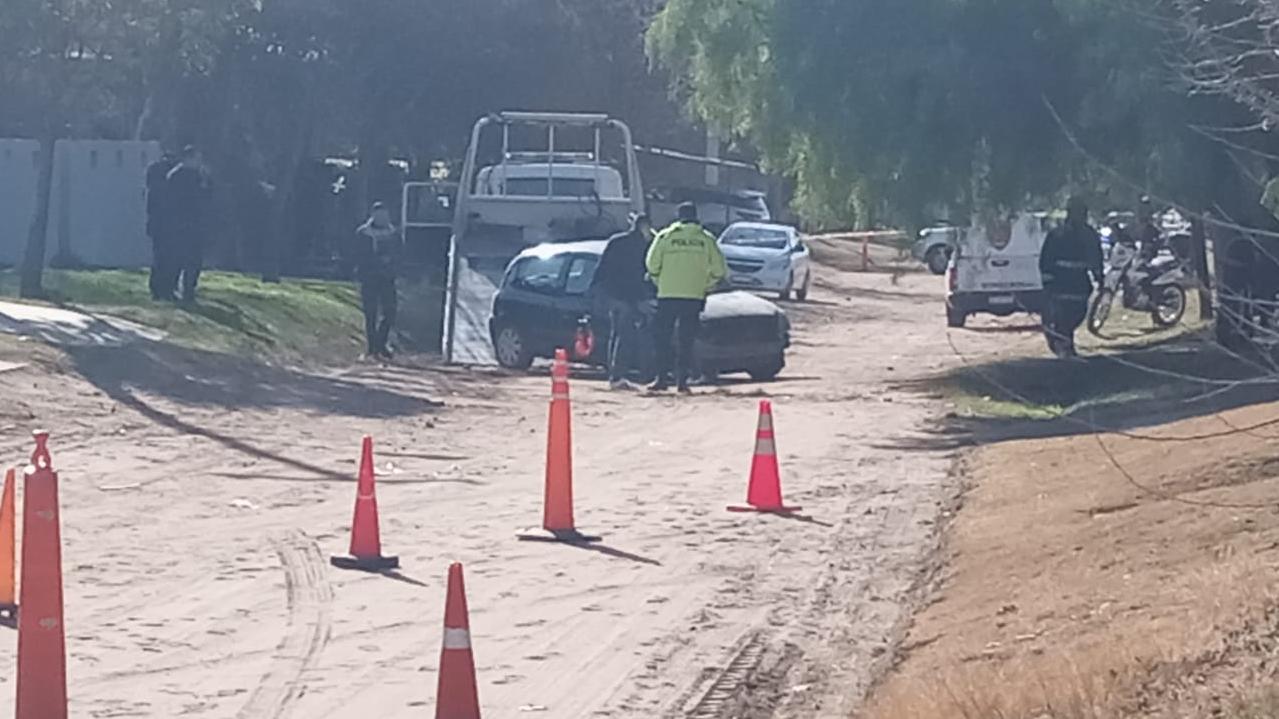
x=310 y=598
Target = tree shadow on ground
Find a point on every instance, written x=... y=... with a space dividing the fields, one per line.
x=1130 y=392
x=208 y=379
x=132 y=374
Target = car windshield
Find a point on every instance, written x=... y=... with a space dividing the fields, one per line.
x=538 y=187
x=539 y=274
x=762 y=237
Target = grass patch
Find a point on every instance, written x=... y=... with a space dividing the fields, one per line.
x=1033 y=389
x=294 y=320
x=1131 y=366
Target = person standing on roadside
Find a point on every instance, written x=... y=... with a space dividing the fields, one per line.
x=1070 y=262
x=377 y=253
x=189 y=194
x=621 y=290
x=685 y=263
x=163 y=279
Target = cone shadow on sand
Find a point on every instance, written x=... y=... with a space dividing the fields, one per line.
x=612 y=552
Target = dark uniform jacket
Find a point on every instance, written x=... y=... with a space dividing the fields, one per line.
x=620 y=274
x=1071 y=253
x=377 y=252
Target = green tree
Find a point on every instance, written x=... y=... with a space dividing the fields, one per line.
x=914 y=106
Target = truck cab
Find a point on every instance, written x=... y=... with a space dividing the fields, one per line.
x=571 y=179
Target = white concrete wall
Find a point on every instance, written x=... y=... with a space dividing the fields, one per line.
x=99 y=193
x=19 y=171
x=98 y=210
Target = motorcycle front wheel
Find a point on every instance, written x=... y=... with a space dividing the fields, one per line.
x=1170 y=306
x=1099 y=311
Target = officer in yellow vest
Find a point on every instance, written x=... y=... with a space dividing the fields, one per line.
x=685 y=263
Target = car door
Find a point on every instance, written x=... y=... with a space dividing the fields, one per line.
x=532 y=300
x=575 y=299
x=801 y=260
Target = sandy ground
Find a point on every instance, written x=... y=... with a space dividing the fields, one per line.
x=202 y=499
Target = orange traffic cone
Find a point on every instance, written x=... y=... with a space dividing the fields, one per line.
x=366 y=540
x=42 y=657
x=765 y=494
x=557 y=517
x=457 y=696
x=8 y=547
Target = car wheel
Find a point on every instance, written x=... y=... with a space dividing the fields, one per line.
x=790 y=285
x=937 y=260
x=955 y=318
x=802 y=294
x=768 y=372
x=512 y=348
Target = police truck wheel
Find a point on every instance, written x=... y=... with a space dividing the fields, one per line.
x=955 y=319
x=511 y=348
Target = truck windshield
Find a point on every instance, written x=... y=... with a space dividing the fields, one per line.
x=761 y=237
x=537 y=187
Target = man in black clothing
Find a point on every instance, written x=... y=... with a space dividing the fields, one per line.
x=1148 y=235
x=188 y=193
x=377 y=252
x=1070 y=262
x=163 y=279
x=620 y=291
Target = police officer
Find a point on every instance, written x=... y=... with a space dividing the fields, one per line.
x=1070 y=257
x=189 y=194
x=685 y=263
x=163 y=279
x=377 y=253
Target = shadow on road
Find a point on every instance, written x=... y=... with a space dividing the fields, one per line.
x=1121 y=392
x=611 y=552
x=208 y=380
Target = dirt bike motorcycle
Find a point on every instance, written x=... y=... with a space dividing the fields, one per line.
x=1157 y=287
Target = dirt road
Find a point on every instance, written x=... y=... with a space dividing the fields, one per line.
x=202 y=499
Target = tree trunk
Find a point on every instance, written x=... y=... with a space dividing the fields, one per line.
x=280 y=240
x=31 y=280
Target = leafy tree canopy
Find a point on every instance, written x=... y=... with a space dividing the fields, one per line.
x=911 y=108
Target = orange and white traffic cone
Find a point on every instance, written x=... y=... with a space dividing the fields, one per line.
x=456 y=695
x=8 y=550
x=765 y=493
x=42 y=651
x=557 y=514
x=366 y=538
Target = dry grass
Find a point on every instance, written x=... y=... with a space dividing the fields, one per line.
x=1183 y=631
